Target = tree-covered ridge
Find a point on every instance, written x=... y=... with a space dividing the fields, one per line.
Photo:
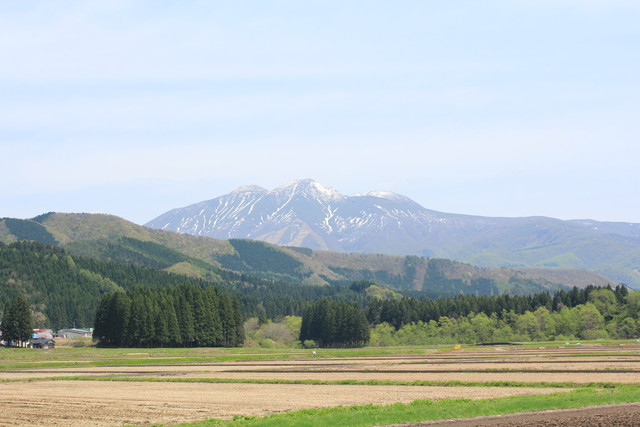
x=61 y=293
x=256 y=294
x=64 y=290
x=43 y=217
x=263 y=260
x=105 y=237
x=181 y=316
x=24 y=229
x=442 y=277
x=127 y=250
x=434 y=277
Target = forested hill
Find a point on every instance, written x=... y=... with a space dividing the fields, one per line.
x=109 y=238
x=64 y=290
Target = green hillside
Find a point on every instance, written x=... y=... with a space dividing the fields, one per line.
x=555 y=245
x=64 y=290
x=113 y=239
x=127 y=250
x=29 y=230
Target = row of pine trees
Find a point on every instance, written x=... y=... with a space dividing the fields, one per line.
x=331 y=323
x=182 y=316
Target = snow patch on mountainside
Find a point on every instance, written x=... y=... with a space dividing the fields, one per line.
x=306 y=213
x=249 y=189
x=384 y=195
x=301 y=211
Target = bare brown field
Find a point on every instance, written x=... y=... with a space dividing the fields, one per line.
x=86 y=403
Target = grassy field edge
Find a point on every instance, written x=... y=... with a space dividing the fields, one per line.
x=428 y=410
x=417 y=383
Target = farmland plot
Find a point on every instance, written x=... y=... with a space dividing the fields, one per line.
x=178 y=392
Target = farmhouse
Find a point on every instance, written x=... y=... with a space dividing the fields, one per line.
x=75 y=333
x=42 y=333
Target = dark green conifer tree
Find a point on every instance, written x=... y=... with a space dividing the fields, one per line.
x=238 y=320
x=186 y=321
x=334 y=324
x=137 y=323
x=17 y=323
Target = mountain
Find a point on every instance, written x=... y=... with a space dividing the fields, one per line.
x=307 y=214
x=112 y=239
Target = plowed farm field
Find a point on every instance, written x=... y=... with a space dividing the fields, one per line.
x=169 y=391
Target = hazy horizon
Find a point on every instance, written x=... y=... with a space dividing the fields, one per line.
x=490 y=108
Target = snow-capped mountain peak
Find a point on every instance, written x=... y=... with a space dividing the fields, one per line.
x=250 y=189
x=385 y=195
x=309 y=188
x=308 y=214
x=301 y=213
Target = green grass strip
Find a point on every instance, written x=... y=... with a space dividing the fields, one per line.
x=148 y=361
x=426 y=410
x=234 y=357
x=578 y=355
x=418 y=383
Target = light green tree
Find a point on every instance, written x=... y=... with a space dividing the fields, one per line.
x=605 y=301
x=546 y=323
x=418 y=333
x=527 y=326
x=591 y=322
x=567 y=322
x=482 y=327
x=382 y=335
x=633 y=304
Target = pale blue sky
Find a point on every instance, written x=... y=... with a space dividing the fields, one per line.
x=497 y=108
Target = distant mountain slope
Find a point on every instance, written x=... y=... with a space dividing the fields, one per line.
x=113 y=239
x=307 y=214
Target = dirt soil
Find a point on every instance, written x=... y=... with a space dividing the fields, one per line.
x=551 y=377
x=92 y=403
x=99 y=403
x=624 y=415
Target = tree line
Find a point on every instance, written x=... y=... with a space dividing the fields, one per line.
x=331 y=323
x=403 y=311
x=578 y=314
x=182 y=316
x=64 y=290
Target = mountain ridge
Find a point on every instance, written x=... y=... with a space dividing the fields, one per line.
x=111 y=238
x=305 y=213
